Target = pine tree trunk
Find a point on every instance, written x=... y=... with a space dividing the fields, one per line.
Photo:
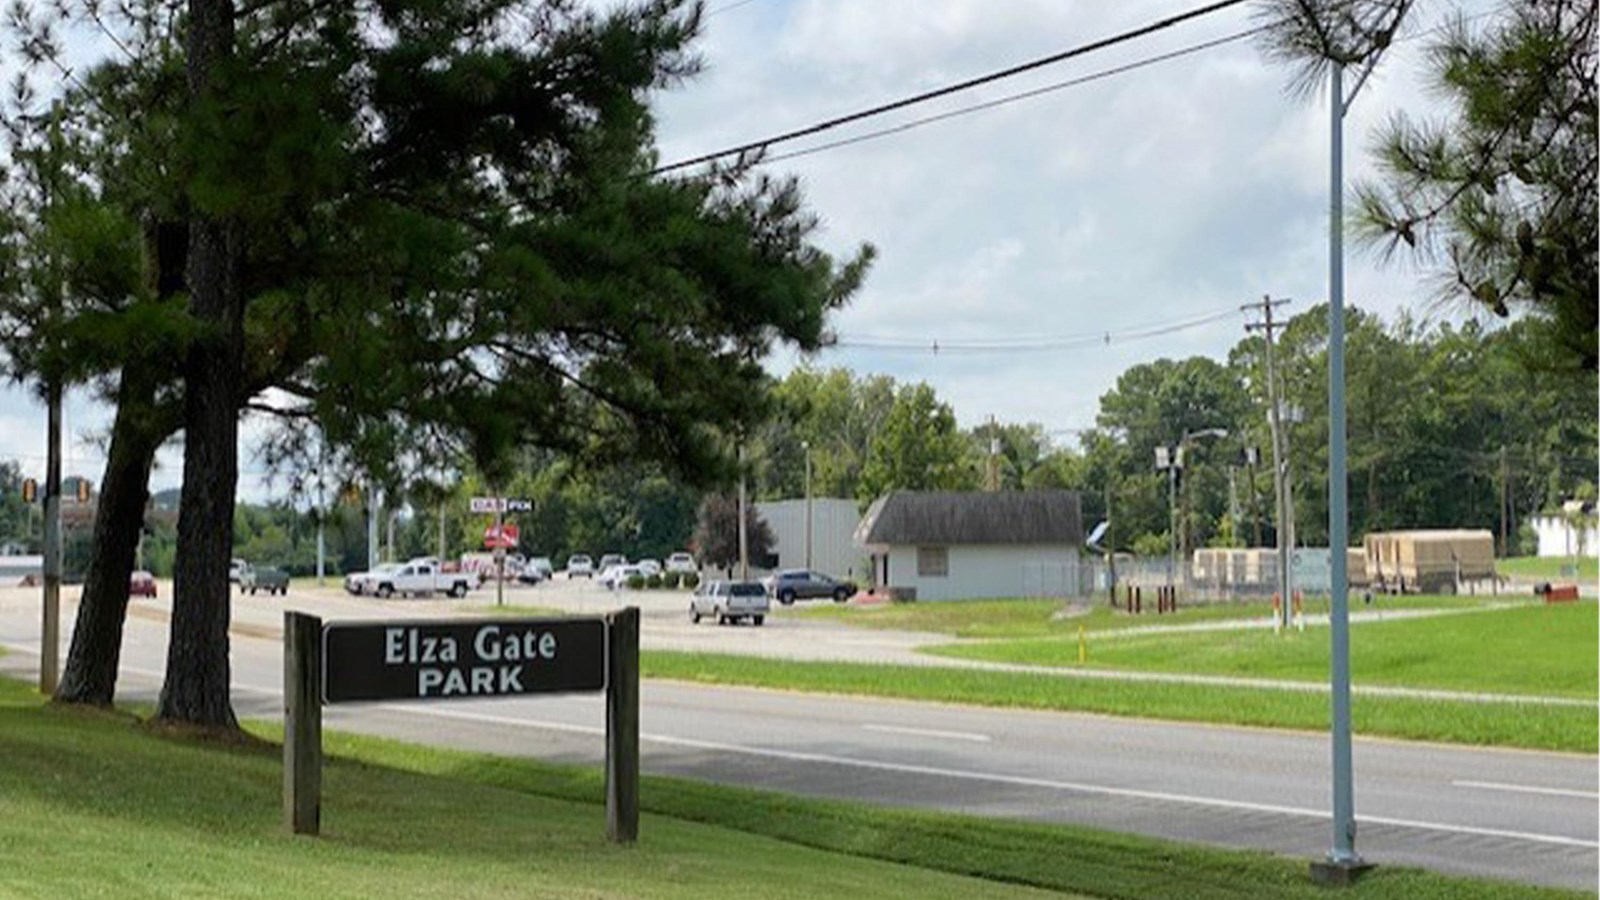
x=91 y=672
x=198 y=678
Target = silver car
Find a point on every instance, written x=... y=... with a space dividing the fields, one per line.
x=729 y=602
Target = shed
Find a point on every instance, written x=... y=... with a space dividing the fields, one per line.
x=950 y=545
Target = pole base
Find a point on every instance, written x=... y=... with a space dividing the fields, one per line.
x=1339 y=873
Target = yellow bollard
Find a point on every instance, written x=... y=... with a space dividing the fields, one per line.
x=1083 y=647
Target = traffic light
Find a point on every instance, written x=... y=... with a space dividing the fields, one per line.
x=30 y=490
x=83 y=490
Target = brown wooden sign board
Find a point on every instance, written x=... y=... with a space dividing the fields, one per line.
x=458 y=659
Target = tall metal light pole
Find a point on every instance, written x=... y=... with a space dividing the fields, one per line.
x=1343 y=856
x=806 y=446
x=1167 y=458
x=1172 y=461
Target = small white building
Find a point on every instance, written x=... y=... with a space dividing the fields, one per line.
x=833 y=527
x=957 y=545
x=1558 y=536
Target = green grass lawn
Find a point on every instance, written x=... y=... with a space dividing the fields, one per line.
x=1497 y=724
x=93 y=804
x=1541 y=650
x=1547 y=567
x=1035 y=618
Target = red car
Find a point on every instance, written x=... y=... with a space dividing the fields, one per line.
x=141 y=584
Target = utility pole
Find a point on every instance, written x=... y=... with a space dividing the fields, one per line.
x=1280 y=457
x=1505 y=503
x=992 y=478
x=806 y=446
x=744 y=533
x=374 y=506
x=322 y=544
x=1251 y=460
x=1111 y=545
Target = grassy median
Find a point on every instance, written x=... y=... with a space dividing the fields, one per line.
x=1018 y=618
x=95 y=804
x=1534 y=650
x=1525 y=725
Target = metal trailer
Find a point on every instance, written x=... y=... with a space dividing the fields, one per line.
x=1428 y=562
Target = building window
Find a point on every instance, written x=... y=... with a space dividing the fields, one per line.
x=933 y=562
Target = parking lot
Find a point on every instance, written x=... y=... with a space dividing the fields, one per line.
x=787 y=633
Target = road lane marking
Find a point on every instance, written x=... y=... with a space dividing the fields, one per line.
x=1528 y=789
x=956 y=774
x=997 y=778
x=930 y=732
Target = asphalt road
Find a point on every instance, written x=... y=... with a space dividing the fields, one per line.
x=1517 y=815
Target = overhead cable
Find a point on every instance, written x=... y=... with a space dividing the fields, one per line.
x=1015 y=345
x=947 y=90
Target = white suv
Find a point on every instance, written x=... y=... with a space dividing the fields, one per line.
x=580 y=564
x=681 y=563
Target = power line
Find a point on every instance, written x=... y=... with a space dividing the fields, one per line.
x=727 y=7
x=970 y=83
x=1013 y=98
x=1016 y=345
x=1051 y=88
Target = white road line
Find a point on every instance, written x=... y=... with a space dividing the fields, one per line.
x=905 y=768
x=963 y=775
x=930 y=732
x=1528 y=789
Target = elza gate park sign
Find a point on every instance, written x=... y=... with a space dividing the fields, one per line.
x=393 y=660
x=430 y=660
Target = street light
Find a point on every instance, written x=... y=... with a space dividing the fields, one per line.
x=1171 y=459
x=806 y=446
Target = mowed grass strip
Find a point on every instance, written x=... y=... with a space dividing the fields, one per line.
x=94 y=804
x=1548 y=567
x=1524 y=725
x=1037 y=618
x=1535 y=650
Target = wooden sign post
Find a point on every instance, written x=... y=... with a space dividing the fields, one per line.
x=622 y=728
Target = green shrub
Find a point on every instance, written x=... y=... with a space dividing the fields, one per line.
x=690 y=581
x=635 y=582
x=669 y=580
x=652 y=581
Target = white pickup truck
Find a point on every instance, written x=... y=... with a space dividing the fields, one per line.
x=416 y=578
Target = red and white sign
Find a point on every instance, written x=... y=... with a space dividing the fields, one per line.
x=501 y=536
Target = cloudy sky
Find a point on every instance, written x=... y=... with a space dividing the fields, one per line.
x=1161 y=196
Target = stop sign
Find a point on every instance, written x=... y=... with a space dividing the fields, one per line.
x=500 y=536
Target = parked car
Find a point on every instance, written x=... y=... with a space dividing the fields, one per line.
x=579 y=565
x=141 y=584
x=542 y=565
x=790 y=585
x=682 y=563
x=612 y=559
x=649 y=566
x=360 y=583
x=236 y=569
x=729 y=601
x=616 y=577
x=265 y=578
